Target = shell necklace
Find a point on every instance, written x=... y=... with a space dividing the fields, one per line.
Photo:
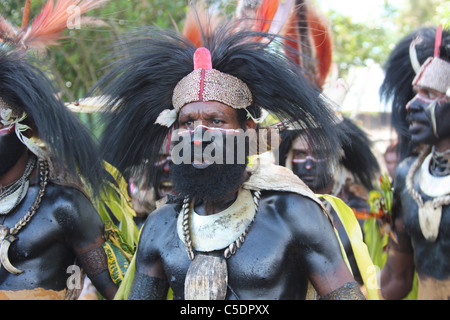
x=13 y=194
x=430 y=212
x=207 y=276
x=8 y=235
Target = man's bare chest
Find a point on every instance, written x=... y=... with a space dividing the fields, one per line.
x=268 y=258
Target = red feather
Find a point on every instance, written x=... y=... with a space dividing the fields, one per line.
x=46 y=29
x=438 y=41
x=198 y=19
x=300 y=33
x=321 y=37
x=26 y=14
x=265 y=15
x=292 y=38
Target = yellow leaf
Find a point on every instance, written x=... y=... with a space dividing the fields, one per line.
x=366 y=267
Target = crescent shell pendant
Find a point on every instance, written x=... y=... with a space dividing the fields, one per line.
x=4 y=248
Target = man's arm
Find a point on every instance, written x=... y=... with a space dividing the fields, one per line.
x=149 y=282
x=327 y=269
x=84 y=233
x=147 y=287
x=398 y=272
x=95 y=264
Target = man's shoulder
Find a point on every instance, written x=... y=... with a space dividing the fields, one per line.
x=64 y=193
x=287 y=196
x=68 y=203
x=291 y=205
x=162 y=216
x=304 y=217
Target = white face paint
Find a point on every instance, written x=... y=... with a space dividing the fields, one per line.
x=428 y=116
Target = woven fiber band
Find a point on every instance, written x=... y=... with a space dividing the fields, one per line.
x=434 y=74
x=211 y=85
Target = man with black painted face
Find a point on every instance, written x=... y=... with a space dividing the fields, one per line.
x=48 y=225
x=347 y=176
x=145 y=198
x=49 y=228
x=315 y=172
x=422 y=195
x=238 y=229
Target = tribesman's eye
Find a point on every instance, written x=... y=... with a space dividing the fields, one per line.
x=217 y=122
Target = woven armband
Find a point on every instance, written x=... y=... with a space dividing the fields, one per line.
x=94 y=262
x=148 y=288
x=349 y=291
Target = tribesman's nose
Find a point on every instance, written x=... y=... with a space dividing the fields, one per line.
x=309 y=164
x=200 y=138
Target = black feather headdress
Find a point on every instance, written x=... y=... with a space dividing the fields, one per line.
x=24 y=88
x=141 y=82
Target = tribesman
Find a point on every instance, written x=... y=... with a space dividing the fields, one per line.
x=421 y=184
x=308 y=42
x=49 y=227
x=237 y=230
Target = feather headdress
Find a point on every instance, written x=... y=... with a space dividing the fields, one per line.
x=309 y=42
x=141 y=83
x=27 y=93
x=307 y=36
x=47 y=27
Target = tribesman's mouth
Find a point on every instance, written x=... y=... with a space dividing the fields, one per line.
x=415 y=126
x=165 y=187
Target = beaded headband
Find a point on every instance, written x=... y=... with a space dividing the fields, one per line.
x=206 y=84
x=434 y=73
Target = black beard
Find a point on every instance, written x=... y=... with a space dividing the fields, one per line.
x=10 y=151
x=215 y=182
x=210 y=184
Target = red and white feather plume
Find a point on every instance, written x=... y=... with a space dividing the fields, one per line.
x=47 y=27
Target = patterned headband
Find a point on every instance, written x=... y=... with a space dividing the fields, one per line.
x=206 y=84
x=434 y=73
